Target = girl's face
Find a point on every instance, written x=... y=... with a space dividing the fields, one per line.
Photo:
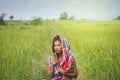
x=57 y=47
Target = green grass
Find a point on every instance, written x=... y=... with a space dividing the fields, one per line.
x=24 y=50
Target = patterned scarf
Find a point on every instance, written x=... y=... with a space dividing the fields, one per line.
x=67 y=61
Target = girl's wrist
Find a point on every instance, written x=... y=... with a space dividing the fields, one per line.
x=64 y=73
x=51 y=72
x=53 y=65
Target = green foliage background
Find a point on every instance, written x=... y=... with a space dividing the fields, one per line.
x=24 y=49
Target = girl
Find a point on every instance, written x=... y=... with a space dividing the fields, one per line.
x=62 y=65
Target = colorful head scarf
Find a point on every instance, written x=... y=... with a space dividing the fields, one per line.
x=67 y=61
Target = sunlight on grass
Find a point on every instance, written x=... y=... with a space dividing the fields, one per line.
x=24 y=50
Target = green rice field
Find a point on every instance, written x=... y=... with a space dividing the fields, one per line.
x=24 y=49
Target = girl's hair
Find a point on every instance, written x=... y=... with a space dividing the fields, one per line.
x=56 y=38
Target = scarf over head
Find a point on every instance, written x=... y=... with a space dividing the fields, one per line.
x=67 y=61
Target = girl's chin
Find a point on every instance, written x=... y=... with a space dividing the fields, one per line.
x=57 y=53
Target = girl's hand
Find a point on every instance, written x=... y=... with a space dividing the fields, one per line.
x=55 y=61
x=60 y=70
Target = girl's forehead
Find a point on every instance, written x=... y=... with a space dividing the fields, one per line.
x=57 y=42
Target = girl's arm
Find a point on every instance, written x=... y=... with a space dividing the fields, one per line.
x=50 y=71
x=51 y=68
x=74 y=74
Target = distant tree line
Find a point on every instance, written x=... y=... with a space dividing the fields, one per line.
x=11 y=17
x=34 y=20
x=118 y=18
x=2 y=16
x=37 y=20
x=64 y=16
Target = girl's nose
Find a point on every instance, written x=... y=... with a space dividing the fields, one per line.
x=56 y=47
